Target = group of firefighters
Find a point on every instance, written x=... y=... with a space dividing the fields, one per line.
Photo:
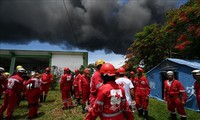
x=109 y=93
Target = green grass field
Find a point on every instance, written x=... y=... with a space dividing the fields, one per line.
x=52 y=110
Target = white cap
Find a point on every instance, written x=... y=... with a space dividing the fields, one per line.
x=196 y=72
x=21 y=70
x=1 y=68
x=170 y=73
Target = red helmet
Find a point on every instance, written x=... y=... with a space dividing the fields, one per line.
x=107 y=69
x=47 y=69
x=76 y=71
x=140 y=70
x=121 y=70
x=86 y=71
x=66 y=69
x=132 y=73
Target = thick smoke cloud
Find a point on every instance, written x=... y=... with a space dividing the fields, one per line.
x=83 y=24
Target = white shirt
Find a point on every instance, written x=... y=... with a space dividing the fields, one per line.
x=127 y=85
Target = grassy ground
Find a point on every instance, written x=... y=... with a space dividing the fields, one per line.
x=52 y=110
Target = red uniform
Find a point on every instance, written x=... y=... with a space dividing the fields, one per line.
x=3 y=83
x=142 y=91
x=110 y=104
x=46 y=83
x=76 y=85
x=96 y=82
x=173 y=92
x=12 y=95
x=33 y=95
x=65 y=87
x=197 y=92
x=84 y=88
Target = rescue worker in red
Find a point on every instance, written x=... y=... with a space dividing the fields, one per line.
x=77 y=77
x=110 y=103
x=33 y=94
x=196 y=75
x=132 y=76
x=12 y=94
x=65 y=87
x=175 y=96
x=84 y=88
x=46 y=80
x=96 y=81
x=142 y=91
x=3 y=81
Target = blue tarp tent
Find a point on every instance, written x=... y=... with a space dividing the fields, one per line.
x=182 y=69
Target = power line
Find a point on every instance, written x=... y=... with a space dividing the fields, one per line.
x=71 y=25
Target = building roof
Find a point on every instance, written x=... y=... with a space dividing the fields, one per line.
x=38 y=52
x=195 y=64
x=190 y=63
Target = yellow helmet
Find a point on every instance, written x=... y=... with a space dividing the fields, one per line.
x=7 y=74
x=19 y=66
x=99 y=62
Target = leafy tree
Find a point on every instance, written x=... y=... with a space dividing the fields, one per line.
x=183 y=29
x=147 y=46
x=178 y=37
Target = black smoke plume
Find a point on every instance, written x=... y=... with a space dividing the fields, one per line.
x=84 y=24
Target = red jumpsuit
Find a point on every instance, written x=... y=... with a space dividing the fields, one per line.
x=110 y=104
x=46 y=83
x=3 y=84
x=95 y=83
x=76 y=85
x=84 y=88
x=173 y=92
x=12 y=95
x=197 y=92
x=33 y=95
x=65 y=87
x=142 y=91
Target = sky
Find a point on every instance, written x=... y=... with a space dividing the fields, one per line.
x=104 y=28
x=116 y=59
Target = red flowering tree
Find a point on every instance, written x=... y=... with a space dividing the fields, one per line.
x=182 y=27
x=178 y=37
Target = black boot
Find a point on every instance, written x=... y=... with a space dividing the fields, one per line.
x=45 y=96
x=140 y=112
x=183 y=118
x=145 y=115
x=78 y=101
x=41 y=98
x=83 y=109
x=173 y=116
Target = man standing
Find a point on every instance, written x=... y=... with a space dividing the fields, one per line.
x=84 y=88
x=142 y=91
x=77 y=77
x=12 y=94
x=127 y=85
x=33 y=94
x=111 y=102
x=196 y=75
x=65 y=87
x=175 y=96
x=3 y=81
x=46 y=80
x=96 y=81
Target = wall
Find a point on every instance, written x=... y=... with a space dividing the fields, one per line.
x=71 y=61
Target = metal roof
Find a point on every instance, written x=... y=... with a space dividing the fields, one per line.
x=190 y=63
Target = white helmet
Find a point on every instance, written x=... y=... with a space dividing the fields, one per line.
x=170 y=73
x=196 y=72
x=21 y=70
